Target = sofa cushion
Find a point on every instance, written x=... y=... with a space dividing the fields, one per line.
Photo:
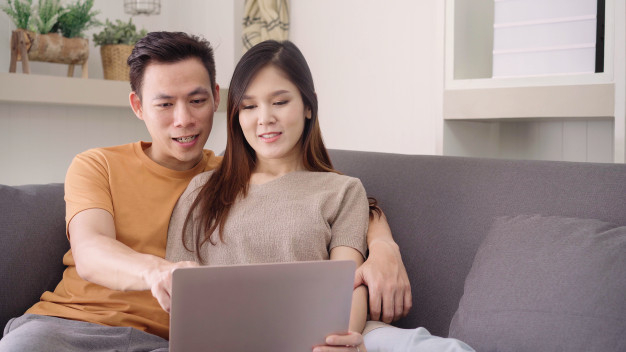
x=546 y=284
x=32 y=244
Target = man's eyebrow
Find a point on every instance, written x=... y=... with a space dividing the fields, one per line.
x=199 y=90
x=162 y=96
x=274 y=94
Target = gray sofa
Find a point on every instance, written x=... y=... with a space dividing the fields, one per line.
x=538 y=247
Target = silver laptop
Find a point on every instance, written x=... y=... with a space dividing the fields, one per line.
x=287 y=307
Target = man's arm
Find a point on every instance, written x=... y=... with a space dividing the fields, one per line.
x=384 y=274
x=102 y=259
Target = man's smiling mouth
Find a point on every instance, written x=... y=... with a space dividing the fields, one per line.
x=185 y=139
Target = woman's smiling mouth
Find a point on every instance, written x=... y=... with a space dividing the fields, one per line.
x=270 y=137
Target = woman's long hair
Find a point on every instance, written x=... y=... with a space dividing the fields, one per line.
x=230 y=180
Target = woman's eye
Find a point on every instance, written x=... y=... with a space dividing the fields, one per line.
x=282 y=102
x=247 y=107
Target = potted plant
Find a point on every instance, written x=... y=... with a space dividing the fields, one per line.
x=36 y=37
x=116 y=42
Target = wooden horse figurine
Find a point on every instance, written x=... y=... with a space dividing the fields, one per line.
x=29 y=46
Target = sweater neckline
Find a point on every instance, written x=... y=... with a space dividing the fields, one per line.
x=278 y=180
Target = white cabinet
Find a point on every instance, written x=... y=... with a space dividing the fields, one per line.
x=530 y=116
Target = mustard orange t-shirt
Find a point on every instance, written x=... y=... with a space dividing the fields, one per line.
x=140 y=194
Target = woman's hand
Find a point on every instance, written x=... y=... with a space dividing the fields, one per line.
x=351 y=342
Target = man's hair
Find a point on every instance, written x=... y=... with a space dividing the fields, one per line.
x=168 y=47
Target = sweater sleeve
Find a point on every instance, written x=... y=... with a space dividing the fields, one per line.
x=349 y=227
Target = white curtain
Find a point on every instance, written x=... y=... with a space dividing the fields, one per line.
x=264 y=20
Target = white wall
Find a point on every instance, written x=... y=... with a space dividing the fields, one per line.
x=378 y=71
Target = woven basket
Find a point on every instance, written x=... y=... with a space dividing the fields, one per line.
x=114 y=61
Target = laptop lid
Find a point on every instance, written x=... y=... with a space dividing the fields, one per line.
x=260 y=307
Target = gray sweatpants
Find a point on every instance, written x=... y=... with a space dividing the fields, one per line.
x=39 y=333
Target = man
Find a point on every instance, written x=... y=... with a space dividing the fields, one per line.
x=114 y=294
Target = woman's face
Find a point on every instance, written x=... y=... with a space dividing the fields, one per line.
x=272 y=116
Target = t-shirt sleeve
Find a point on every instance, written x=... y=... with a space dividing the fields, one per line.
x=349 y=227
x=87 y=185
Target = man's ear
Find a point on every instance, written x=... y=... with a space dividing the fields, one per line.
x=216 y=97
x=135 y=104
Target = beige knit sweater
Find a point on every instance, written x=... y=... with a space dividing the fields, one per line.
x=300 y=216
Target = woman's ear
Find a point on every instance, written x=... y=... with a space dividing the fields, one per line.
x=307 y=113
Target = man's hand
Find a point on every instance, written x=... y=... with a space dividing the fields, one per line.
x=160 y=281
x=388 y=283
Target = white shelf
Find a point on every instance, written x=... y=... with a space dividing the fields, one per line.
x=40 y=89
x=589 y=101
x=55 y=90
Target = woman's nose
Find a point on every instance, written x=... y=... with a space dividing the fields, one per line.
x=266 y=116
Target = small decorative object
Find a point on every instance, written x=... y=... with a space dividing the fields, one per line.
x=37 y=39
x=117 y=41
x=142 y=7
x=264 y=20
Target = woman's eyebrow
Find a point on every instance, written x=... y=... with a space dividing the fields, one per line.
x=273 y=94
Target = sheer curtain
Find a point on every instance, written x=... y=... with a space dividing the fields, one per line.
x=264 y=20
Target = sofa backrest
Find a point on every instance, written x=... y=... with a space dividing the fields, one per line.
x=32 y=244
x=440 y=208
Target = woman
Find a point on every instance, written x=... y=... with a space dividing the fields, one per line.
x=277 y=181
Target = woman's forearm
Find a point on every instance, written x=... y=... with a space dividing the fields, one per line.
x=358 y=314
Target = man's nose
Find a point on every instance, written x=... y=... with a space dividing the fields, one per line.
x=182 y=116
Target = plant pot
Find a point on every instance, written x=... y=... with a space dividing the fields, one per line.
x=114 y=59
x=52 y=47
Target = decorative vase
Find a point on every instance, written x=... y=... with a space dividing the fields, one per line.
x=114 y=58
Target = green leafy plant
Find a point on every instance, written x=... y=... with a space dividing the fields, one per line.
x=78 y=18
x=19 y=11
x=44 y=19
x=118 y=33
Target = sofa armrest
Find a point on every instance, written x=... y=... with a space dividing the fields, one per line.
x=32 y=245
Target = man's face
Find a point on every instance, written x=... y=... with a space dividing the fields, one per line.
x=177 y=105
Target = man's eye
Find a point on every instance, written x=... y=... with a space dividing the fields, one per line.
x=198 y=101
x=164 y=105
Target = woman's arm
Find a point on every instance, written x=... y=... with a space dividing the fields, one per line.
x=358 y=313
x=384 y=274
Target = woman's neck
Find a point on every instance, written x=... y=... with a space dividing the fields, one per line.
x=269 y=170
